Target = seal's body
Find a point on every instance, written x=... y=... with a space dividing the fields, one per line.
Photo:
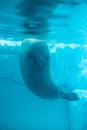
x=35 y=68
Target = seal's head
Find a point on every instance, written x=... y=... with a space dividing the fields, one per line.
x=36 y=56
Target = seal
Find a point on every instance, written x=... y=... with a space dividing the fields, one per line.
x=35 y=69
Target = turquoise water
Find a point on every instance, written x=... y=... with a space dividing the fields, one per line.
x=63 y=26
x=21 y=109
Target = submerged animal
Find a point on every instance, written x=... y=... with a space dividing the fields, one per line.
x=35 y=69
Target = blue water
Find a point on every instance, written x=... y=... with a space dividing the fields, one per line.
x=63 y=26
x=20 y=109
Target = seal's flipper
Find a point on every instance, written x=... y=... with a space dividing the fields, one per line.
x=70 y=96
x=38 y=60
